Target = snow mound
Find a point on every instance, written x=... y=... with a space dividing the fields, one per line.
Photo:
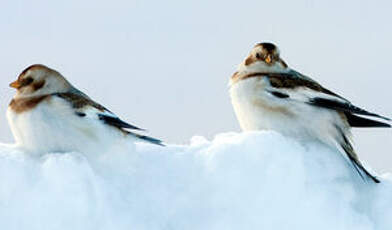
x=258 y=180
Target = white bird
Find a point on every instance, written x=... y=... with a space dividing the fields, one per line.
x=48 y=114
x=267 y=95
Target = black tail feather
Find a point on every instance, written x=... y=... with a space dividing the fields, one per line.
x=360 y=169
x=355 y=162
x=357 y=168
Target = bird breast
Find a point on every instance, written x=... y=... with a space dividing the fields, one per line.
x=52 y=126
x=253 y=106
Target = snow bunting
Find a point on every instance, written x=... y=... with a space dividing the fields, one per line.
x=48 y=114
x=267 y=95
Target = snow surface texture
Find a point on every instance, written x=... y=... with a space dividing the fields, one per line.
x=258 y=180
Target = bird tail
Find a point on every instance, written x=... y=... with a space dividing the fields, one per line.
x=352 y=156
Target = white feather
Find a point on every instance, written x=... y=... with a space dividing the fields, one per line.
x=53 y=126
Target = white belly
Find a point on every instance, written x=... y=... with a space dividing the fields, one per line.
x=52 y=126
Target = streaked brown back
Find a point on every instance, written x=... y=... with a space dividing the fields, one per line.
x=79 y=101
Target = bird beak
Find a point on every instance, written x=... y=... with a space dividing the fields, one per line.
x=268 y=59
x=15 y=84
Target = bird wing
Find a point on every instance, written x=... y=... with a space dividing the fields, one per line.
x=293 y=85
x=87 y=108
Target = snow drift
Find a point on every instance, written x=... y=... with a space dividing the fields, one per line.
x=258 y=180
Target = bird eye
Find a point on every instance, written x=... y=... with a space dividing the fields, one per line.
x=257 y=55
x=27 y=81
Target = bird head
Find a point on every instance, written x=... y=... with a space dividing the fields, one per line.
x=39 y=80
x=264 y=55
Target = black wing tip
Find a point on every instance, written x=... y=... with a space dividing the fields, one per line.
x=343 y=107
x=361 y=122
x=381 y=117
x=150 y=140
x=117 y=122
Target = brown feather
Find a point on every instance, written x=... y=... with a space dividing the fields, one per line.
x=38 y=85
x=25 y=104
x=35 y=66
x=250 y=60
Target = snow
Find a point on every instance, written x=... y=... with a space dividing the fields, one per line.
x=254 y=180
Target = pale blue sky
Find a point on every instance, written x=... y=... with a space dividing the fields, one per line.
x=164 y=65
